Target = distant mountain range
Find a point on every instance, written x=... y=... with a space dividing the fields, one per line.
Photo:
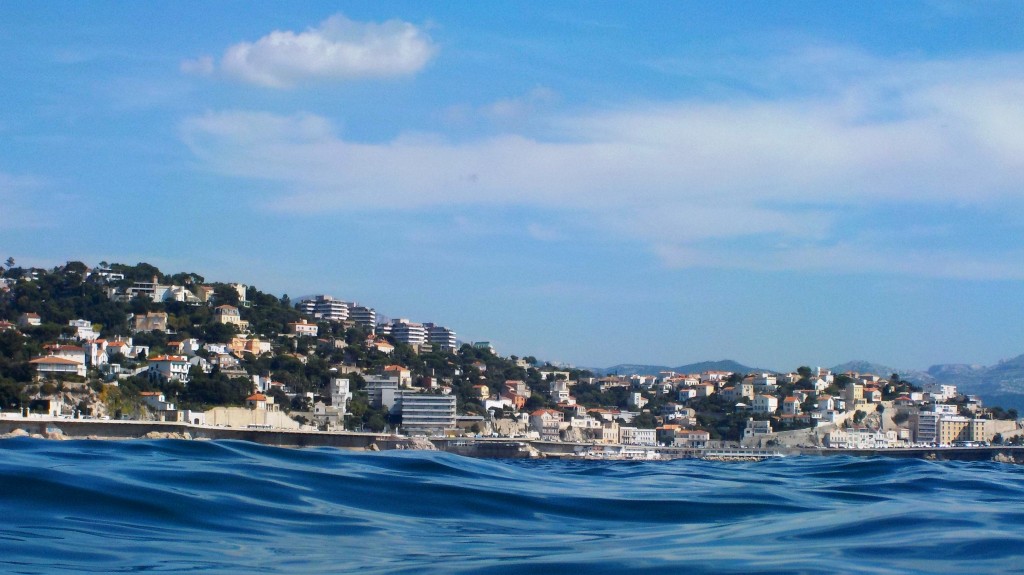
x=1001 y=384
x=637 y=369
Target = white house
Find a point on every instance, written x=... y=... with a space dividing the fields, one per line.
x=55 y=366
x=169 y=367
x=547 y=423
x=637 y=436
x=303 y=327
x=83 y=329
x=765 y=404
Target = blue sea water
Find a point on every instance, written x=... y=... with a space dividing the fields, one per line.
x=234 y=507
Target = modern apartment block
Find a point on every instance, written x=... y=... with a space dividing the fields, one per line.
x=440 y=337
x=408 y=332
x=945 y=429
x=926 y=427
x=361 y=315
x=325 y=307
x=425 y=412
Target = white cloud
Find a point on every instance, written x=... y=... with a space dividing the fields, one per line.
x=690 y=178
x=201 y=66
x=338 y=48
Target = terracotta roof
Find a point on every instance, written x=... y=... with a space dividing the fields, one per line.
x=256 y=397
x=64 y=348
x=55 y=360
x=169 y=358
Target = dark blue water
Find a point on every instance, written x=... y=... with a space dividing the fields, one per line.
x=233 y=507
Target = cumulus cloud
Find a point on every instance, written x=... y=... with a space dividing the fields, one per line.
x=338 y=48
x=689 y=178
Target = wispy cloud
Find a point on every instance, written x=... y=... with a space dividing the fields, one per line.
x=690 y=178
x=338 y=48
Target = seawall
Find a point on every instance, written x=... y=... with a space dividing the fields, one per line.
x=473 y=447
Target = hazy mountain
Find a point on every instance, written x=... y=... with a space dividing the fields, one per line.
x=638 y=369
x=861 y=366
x=630 y=369
x=720 y=365
x=1001 y=384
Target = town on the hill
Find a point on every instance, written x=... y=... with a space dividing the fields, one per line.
x=129 y=342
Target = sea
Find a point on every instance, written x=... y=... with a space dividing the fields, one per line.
x=167 y=506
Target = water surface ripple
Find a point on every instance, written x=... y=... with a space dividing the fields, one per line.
x=234 y=507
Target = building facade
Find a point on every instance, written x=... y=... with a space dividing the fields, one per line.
x=325 y=307
x=425 y=413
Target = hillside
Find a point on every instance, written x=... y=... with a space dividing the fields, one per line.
x=1001 y=384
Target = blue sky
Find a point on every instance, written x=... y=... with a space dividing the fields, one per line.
x=778 y=183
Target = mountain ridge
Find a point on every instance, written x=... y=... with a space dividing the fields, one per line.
x=643 y=369
x=999 y=384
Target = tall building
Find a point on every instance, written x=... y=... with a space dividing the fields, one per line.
x=425 y=412
x=339 y=391
x=408 y=332
x=381 y=390
x=926 y=427
x=361 y=315
x=440 y=337
x=325 y=307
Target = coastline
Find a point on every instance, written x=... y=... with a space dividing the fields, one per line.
x=48 y=427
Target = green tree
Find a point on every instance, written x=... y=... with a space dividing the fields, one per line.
x=646 y=420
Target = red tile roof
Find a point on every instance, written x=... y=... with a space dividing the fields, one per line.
x=55 y=360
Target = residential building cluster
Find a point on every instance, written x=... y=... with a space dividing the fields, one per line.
x=466 y=389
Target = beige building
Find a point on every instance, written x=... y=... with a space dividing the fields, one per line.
x=229 y=314
x=303 y=327
x=151 y=321
x=244 y=417
x=854 y=395
x=953 y=428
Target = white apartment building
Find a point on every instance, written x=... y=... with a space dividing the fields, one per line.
x=362 y=315
x=637 y=436
x=440 y=337
x=325 y=307
x=408 y=332
x=425 y=413
x=559 y=390
x=339 y=391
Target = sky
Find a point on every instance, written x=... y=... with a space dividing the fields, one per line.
x=778 y=183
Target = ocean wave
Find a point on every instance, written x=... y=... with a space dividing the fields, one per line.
x=228 y=506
